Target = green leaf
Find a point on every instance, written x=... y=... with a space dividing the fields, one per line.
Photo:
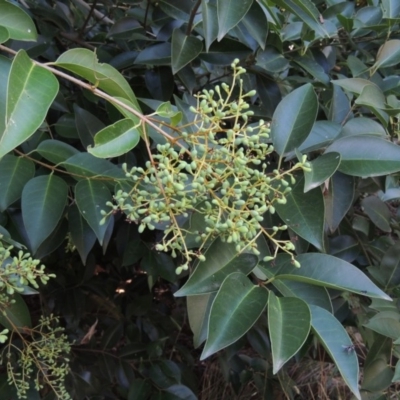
x=43 y=201
x=271 y=60
x=306 y=11
x=84 y=63
x=17 y=22
x=309 y=64
x=56 y=151
x=115 y=140
x=378 y=212
x=256 y=23
x=84 y=165
x=321 y=135
x=139 y=389
x=87 y=125
x=362 y=126
x=222 y=53
x=386 y=323
x=221 y=260
x=15 y=172
x=304 y=213
x=177 y=9
x=338 y=199
x=198 y=309
x=181 y=392
x=322 y=168
x=159 y=54
x=331 y=272
x=366 y=155
x=391 y=9
x=293 y=119
x=4 y=34
x=82 y=235
x=184 y=49
x=91 y=197
x=353 y=85
x=16 y=314
x=210 y=22
x=235 y=310
x=31 y=90
x=230 y=13
x=333 y=337
x=388 y=55
x=289 y=321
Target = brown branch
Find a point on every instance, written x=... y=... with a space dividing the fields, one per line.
x=191 y=18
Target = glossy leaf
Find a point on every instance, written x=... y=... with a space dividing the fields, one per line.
x=16 y=314
x=235 y=310
x=17 y=22
x=322 y=134
x=210 y=22
x=391 y=9
x=366 y=156
x=293 y=119
x=331 y=272
x=43 y=202
x=333 y=337
x=31 y=90
x=82 y=236
x=289 y=319
x=322 y=168
x=378 y=212
x=271 y=60
x=91 y=197
x=87 y=125
x=84 y=63
x=159 y=54
x=256 y=23
x=230 y=13
x=184 y=49
x=221 y=260
x=338 y=199
x=362 y=126
x=303 y=213
x=56 y=151
x=15 y=172
x=115 y=140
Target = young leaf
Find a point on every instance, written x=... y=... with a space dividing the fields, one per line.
x=91 y=197
x=43 y=201
x=236 y=308
x=15 y=172
x=333 y=337
x=293 y=119
x=289 y=321
x=115 y=140
x=230 y=13
x=31 y=90
x=185 y=48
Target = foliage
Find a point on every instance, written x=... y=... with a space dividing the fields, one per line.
x=240 y=155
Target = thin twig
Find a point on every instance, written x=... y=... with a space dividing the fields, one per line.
x=90 y=13
x=191 y=18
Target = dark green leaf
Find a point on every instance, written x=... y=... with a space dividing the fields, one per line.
x=388 y=55
x=289 y=322
x=271 y=60
x=304 y=213
x=139 y=390
x=15 y=172
x=236 y=308
x=378 y=212
x=87 y=125
x=386 y=323
x=16 y=314
x=366 y=155
x=56 y=151
x=293 y=119
x=184 y=49
x=256 y=23
x=43 y=202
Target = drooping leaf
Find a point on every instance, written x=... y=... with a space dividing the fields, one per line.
x=322 y=168
x=115 y=140
x=366 y=155
x=333 y=337
x=177 y=9
x=91 y=197
x=43 y=201
x=304 y=213
x=84 y=63
x=293 y=119
x=221 y=260
x=236 y=308
x=30 y=91
x=17 y=22
x=338 y=199
x=198 y=309
x=331 y=272
x=289 y=321
x=184 y=49
x=230 y=13
x=82 y=235
x=378 y=212
x=16 y=314
x=15 y=172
